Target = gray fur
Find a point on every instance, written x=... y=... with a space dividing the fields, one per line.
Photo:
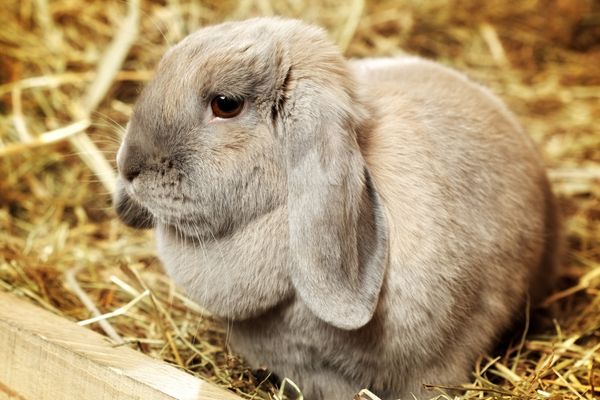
x=373 y=223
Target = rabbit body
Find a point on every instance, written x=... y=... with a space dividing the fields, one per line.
x=447 y=220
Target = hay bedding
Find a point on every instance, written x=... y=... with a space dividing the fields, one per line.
x=68 y=67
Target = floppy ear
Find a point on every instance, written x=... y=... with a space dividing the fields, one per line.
x=337 y=229
x=129 y=211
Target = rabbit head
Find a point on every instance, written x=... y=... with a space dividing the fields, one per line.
x=242 y=118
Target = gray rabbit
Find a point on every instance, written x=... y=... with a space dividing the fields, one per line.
x=362 y=224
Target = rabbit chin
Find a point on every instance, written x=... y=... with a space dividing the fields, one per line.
x=189 y=229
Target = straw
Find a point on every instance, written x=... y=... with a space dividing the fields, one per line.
x=70 y=74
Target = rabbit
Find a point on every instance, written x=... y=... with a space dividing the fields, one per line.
x=373 y=223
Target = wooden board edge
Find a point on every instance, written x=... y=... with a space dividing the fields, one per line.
x=47 y=357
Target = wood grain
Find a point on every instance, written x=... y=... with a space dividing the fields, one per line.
x=46 y=357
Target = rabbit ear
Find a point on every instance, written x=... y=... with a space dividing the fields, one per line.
x=337 y=228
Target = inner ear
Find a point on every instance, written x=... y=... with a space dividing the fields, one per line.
x=373 y=230
x=130 y=211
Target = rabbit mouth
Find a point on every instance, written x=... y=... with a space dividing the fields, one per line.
x=175 y=212
x=162 y=204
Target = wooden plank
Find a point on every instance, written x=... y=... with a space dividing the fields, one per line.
x=46 y=357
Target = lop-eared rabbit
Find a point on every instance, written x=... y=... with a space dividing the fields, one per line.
x=370 y=224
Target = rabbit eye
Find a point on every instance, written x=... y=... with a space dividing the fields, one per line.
x=226 y=107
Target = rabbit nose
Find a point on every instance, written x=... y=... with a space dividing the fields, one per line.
x=131 y=172
x=130 y=161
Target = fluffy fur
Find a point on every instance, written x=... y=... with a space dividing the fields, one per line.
x=374 y=223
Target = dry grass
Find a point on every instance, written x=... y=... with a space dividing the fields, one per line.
x=68 y=79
